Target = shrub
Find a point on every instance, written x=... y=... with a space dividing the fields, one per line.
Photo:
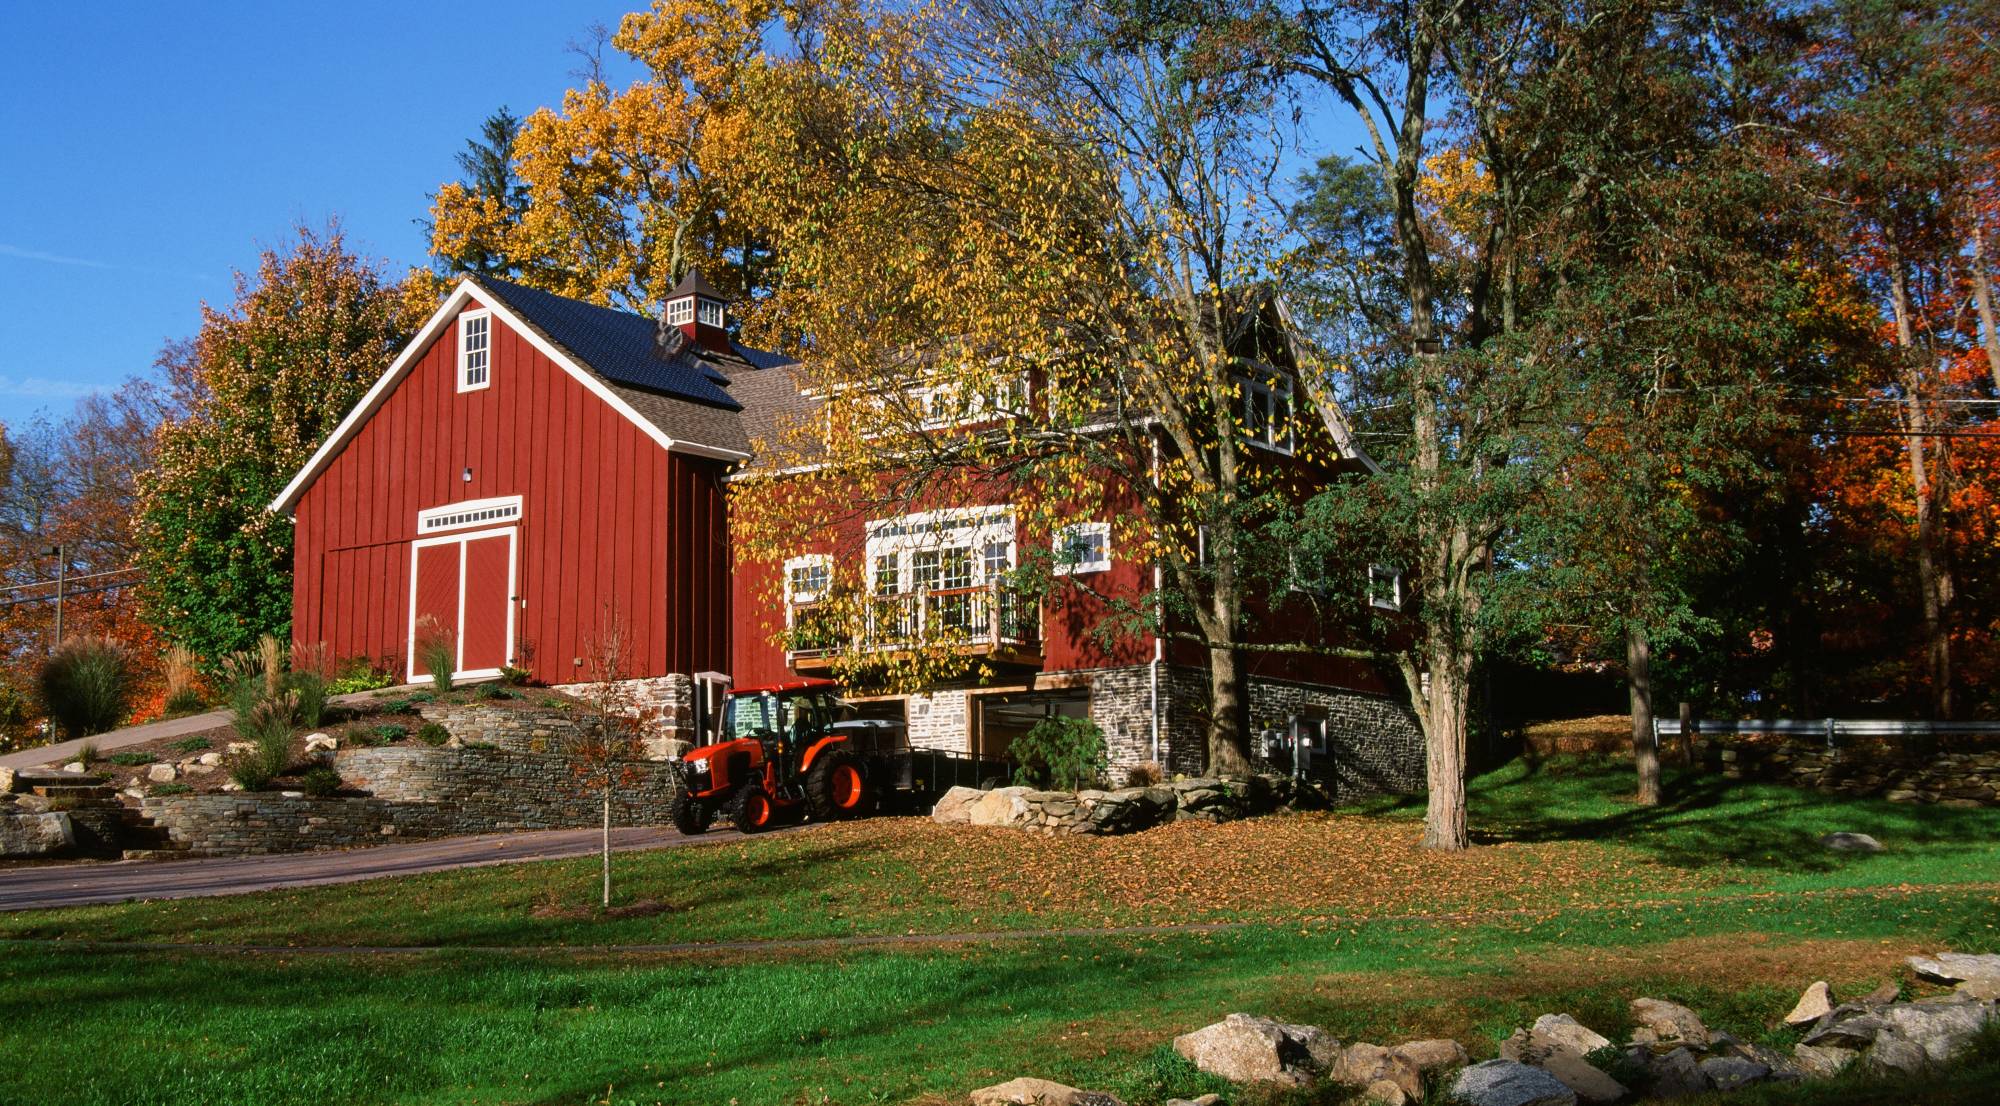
x=1149 y=774
x=190 y=745
x=514 y=677
x=186 y=701
x=169 y=789
x=392 y=732
x=132 y=760
x=320 y=782
x=364 y=681
x=430 y=733
x=87 y=685
x=437 y=651
x=16 y=712
x=367 y=739
x=491 y=691
x=1062 y=754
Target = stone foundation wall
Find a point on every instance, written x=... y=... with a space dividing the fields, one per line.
x=668 y=700
x=1911 y=771
x=510 y=728
x=415 y=792
x=1374 y=745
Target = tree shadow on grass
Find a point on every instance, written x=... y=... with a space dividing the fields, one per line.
x=1702 y=819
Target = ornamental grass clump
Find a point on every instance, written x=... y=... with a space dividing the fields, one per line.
x=87 y=685
x=437 y=651
x=268 y=726
x=183 y=694
x=311 y=679
x=1062 y=754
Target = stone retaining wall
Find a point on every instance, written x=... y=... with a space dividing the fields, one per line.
x=416 y=792
x=514 y=729
x=1959 y=774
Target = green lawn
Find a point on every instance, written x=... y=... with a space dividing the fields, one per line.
x=910 y=1023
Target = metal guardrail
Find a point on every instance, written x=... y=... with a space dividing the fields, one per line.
x=1830 y=729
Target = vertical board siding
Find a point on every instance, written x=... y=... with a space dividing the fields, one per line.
x=601 y=503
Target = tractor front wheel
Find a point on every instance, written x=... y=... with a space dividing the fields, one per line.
x=750 y=810
x=836 y=787
x=690 y=815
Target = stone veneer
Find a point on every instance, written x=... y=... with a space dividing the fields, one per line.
x=668 y=699
x=1958 y=774
x=1374 y=745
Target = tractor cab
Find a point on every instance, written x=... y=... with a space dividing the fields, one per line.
x=786 y=719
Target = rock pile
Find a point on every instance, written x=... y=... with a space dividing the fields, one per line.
x=1558 y=1061
x=1112 y=812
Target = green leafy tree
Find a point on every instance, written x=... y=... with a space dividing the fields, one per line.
x=271 y=377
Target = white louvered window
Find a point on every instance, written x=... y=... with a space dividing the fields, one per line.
x=477 y=512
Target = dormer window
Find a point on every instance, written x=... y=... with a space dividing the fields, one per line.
x=475 y=349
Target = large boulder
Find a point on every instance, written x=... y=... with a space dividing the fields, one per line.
x=1434 y=1054
x=1365 y=1066
x=955 y=806
x=1002 y=806
x=1563 y=1030
x=1038 y=1092
x=1669 y=1023
x=1726 y=1073
x=35 y=833
x=1815 y=1004
x=1953 y=967
x=1849 y=1025
x=1243 y=1048
x=1508 y=1083
x=1823 y=1061
x=1942 y=1029
x=1844 y=842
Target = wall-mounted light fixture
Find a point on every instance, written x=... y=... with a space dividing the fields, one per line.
x=468 y=476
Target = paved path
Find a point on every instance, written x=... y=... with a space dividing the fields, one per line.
x=63 y=752
x=124 y=880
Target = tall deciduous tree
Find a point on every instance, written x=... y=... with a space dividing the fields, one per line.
x=271 y=377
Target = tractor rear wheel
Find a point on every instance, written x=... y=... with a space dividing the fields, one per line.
x=750 y=809
x=690 y=815
x=837 y=788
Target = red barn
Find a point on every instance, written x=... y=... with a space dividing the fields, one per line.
x=534 y=473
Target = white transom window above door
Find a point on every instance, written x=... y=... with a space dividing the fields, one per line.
x=953 y=549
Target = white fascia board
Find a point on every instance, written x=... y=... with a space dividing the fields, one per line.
x=288 y=499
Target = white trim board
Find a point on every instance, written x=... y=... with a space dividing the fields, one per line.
x=288 y=499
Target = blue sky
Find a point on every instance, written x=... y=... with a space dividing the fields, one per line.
x=148 y=150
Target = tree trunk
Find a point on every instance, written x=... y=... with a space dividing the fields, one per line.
x=1444 y=706
x=1934 y=585
x=1982 y=294
x=1639 y=679
x=1229 y=714
x=607 y=844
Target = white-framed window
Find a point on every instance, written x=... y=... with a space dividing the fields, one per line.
x=1385 y=587
x=470 y=512
x=475 y=350
x=808 y=578
x=709 y=312
x=955 y=548
x=1267 y=410
x=1312 y=572
x=680 y=312
x=1084 y=547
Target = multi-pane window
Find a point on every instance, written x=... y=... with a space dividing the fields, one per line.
x=996 y=559
x=1385 y=588
x=680 y=312
x=475 y=343
x=808 y=578
x=888 y=575
x=1267 y=410
x=1084 y=547
x=709 y=312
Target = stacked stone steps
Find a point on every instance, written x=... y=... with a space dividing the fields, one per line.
x=143 y=839
x=101 y=821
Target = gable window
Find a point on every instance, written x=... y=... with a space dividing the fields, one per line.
x=1267 y=410
x=475 y=347
x=1084 y=547
x=808 y=578
x=1385 y=588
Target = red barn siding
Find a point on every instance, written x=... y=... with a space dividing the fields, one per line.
x=602 y=506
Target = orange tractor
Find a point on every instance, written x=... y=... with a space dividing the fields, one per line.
x=786 y=751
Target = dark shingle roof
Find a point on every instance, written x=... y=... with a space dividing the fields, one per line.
x=617 y=345
x=692 y=396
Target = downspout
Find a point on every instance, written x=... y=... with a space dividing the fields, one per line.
x=1159 y=644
